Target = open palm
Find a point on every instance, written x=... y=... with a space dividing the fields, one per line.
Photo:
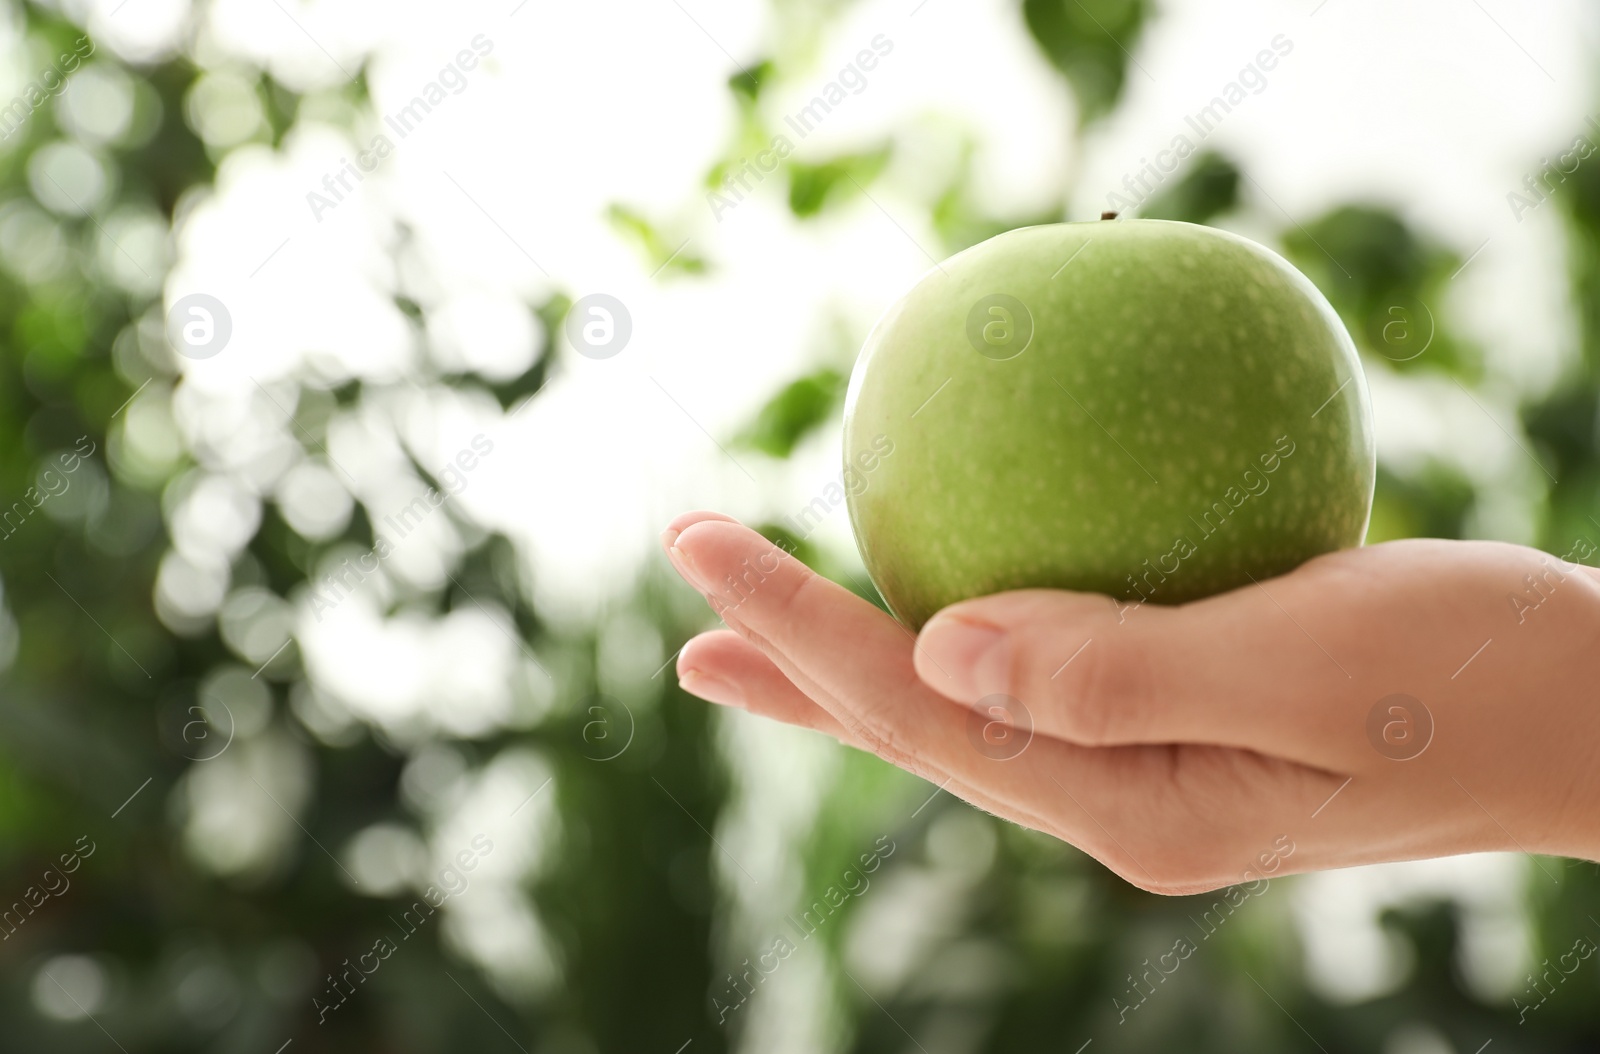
x=1410 y=699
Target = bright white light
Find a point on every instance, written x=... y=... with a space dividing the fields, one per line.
x=69 y=987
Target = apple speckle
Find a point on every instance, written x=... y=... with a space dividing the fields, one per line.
x=1195 y=371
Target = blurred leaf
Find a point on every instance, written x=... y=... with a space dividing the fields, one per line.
x=1389 y=284
x=748 y=83
x=662 y=255
x=551 y=314
x=1089 y=41
x=1208 y=188
x=1582 y=209
x=814 y=186
x=794 y=413
x=1367 y=253
x=963 y=220
x=1433 y=504
x=1564 y=423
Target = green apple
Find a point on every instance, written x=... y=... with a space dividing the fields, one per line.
x=1151 y=410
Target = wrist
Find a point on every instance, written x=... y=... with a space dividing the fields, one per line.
x=1575 y=796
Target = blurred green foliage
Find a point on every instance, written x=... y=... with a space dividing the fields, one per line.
x=1389 y=283
x=812 y=185
x=1210 y=188
x=658 y=249
x=1090 y=42
x=801 y=407
x=1020 y=943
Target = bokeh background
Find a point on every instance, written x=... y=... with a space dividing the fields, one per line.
x=294 y=757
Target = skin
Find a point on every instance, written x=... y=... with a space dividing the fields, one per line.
x=1184 y=746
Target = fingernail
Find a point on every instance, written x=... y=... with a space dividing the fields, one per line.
x=685 y=566
x=970 y=655
x=712 y=688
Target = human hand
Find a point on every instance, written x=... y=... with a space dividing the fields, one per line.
x=1386 y=703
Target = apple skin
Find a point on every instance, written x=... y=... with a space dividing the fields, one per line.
x=1186 y=414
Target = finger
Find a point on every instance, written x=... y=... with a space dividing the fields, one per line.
x=1235 y=670
x=725 y=668
x=857 y=656
x=855 y=661
x=684 y=520
x=1162 y=817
